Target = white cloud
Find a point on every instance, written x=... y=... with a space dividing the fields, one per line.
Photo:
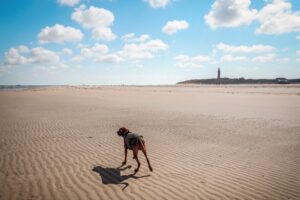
x=182 y=58
x=93 y=17
x=14 y=57
x=245 y=49
x=298 y=52
x=173 y=26
x=142 y=38
x=98 y=53
x=103 y=33
x=59 y=34
x=134 y=51
x=298 y=37
x=130 y=37
x=140 y=48
x=96 y=50
x=264 y=58
x=185 y=61
x=230 y=13
x=97 y=19
x=158 y=3
x=127 y=36
x=37 y=55
x=143 y=50
x=40 y=55
x=154 y=45
x=23 y=49
x=81 y=45
x=277 y=18
x=68 y=2
x=67 y=51
x=109 y=58
x=231 y=58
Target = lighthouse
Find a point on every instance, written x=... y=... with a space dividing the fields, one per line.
x=219 y=76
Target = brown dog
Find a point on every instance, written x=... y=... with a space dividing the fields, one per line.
x=135 y=143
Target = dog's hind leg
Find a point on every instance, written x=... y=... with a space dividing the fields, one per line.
x=149 y=165
x=135 y=156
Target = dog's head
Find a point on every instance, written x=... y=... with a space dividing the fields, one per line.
x=122 y=131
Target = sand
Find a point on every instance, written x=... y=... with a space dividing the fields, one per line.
x=204 y=142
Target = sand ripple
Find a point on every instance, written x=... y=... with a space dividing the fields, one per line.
x=61 y=144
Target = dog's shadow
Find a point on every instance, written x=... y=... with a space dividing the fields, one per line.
x=113 y=175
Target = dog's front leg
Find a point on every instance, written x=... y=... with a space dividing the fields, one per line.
x=125 y=160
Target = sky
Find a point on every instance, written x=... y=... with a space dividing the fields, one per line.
x=146 y=42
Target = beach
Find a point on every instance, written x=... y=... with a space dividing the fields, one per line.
x=204 y=142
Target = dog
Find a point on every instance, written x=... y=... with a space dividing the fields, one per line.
x=135 y=143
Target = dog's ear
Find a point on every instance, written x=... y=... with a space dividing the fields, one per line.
x=122 y=131
x=125 y=130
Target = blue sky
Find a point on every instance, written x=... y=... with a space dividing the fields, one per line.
x=147 y=41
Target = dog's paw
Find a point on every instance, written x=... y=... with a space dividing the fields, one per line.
x=123 y=163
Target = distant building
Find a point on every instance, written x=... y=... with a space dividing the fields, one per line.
x=281 y=80
x=219 y=76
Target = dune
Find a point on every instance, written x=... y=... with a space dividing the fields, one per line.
x=204 y=142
